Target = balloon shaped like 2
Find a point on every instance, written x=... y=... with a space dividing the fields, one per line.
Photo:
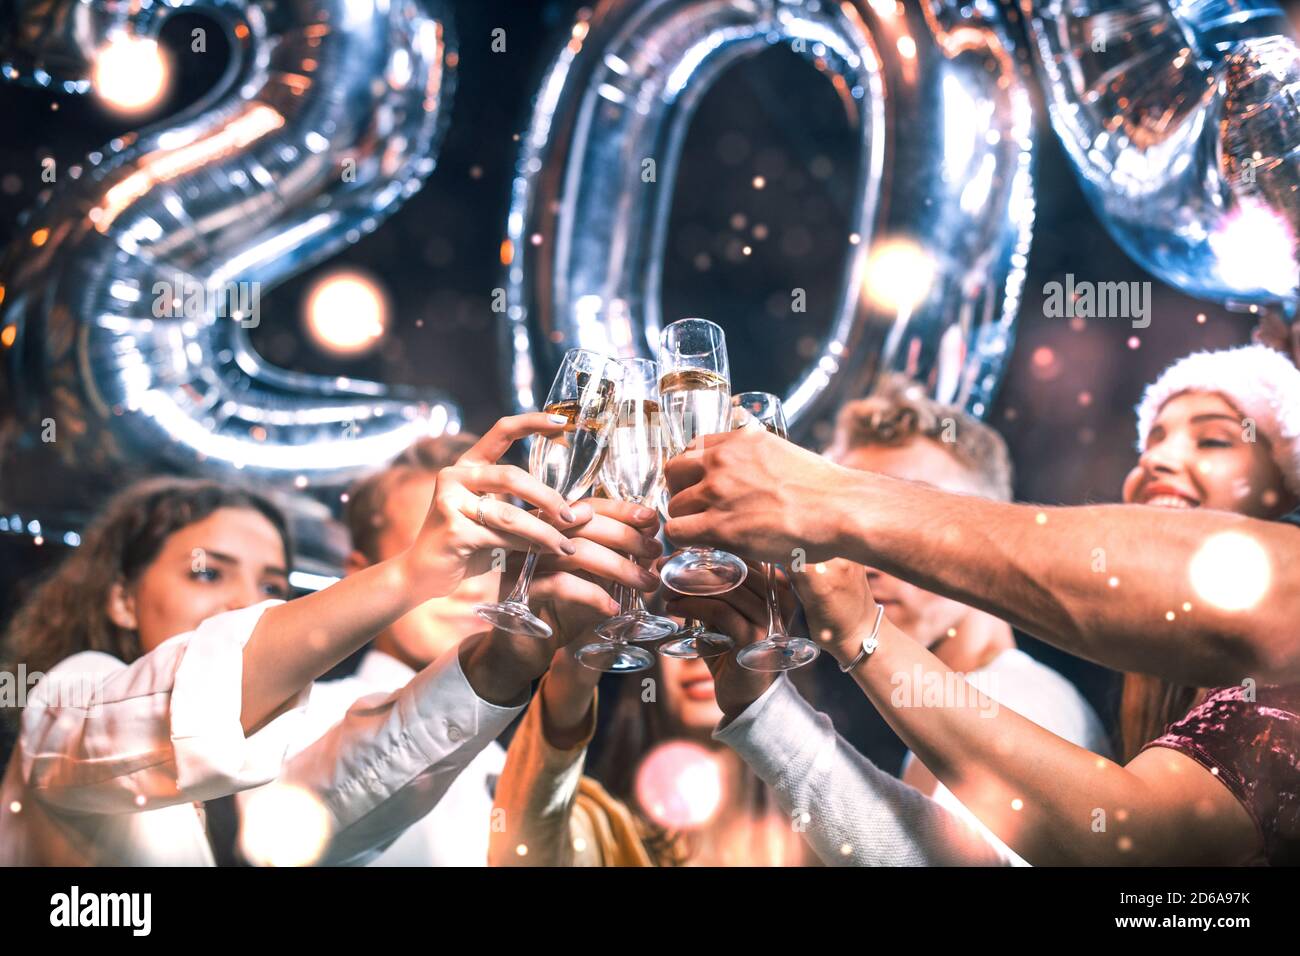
x=1180 y=119
x=128 y=294
x=943 y=206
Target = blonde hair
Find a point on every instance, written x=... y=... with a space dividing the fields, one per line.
x=898 y=411
x=364 y=512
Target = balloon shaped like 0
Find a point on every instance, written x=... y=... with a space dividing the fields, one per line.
x=943 y=203
x=1181 y=120
x=130 y=291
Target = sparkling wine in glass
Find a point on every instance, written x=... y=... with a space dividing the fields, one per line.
x=779 y=651
x=695 y=393
x=585 y=392
x=632 y=470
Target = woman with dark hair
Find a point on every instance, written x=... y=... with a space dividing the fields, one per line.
x=172 y=674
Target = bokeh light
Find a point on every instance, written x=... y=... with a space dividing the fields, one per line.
x=1255 y=248
x=899 y=275
x=679 y=785
x=1231 y=571
x=283 y=825
x=346 y=313
x=130 y=73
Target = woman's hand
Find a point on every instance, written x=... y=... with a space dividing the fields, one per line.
x=570 y=593
x=567 y=698
x=453 y=544
x=838 y=604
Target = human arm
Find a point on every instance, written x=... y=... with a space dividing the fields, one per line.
x=295 y=643
x=390 y=760
x=1097 y=581
x=850 y=811
x=1051 y=801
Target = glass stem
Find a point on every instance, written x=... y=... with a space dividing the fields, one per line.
x=775 y=626
x=520 y=594
x=624 y=595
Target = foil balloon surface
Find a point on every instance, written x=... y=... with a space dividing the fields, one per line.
x=128 y=294
x=943 y=202
x=1182 y=120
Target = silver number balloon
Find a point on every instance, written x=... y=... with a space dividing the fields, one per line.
x=1180 y=117
x=330 y=115
x=943 y=205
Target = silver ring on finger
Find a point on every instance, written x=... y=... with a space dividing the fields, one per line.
x=481 y=499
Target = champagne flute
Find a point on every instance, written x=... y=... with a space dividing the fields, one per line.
x=778 y=651
x=632 y=470
x=695 y=390
x=584 y=392
x=693 y=639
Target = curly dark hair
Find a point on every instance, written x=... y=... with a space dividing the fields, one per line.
x=66 y=614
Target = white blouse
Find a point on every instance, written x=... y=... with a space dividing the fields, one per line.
x=447 y=825
x=118 y=778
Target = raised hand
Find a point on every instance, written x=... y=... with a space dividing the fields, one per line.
x=466 y=529
x=741 y=614
x=838 y=604
x=1276 y=333
x=757 y=495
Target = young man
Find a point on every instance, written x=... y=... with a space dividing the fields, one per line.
x=900 y=433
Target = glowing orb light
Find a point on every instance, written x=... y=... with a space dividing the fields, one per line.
x=283 y=825
x=130 y=73
x=899 y=275
x=1254 y=248
x=347 y=313
x=1231 y=571
x=679 y=785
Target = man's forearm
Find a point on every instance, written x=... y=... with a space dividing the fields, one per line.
x=1098 y=581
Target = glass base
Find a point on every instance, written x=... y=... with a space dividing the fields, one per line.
x=697 y=642
x=615 y=657
x=703 y=571
x=783 y=655
x=515 y=618
x=636 y=626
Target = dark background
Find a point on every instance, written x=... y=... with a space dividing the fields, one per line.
x=1066 y=407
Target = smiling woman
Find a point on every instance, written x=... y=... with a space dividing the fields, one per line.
x=1213 y=434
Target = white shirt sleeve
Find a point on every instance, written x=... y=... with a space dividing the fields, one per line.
x=391 y=758
x=851 y=812
x=101 y=736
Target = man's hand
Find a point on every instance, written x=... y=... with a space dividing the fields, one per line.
x=741 y=614
x=1274 y=332
x=838 y=604
x=757 y=495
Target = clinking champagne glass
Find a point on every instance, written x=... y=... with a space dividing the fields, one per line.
x=778 y=651
x=632 y=470
x=694 y=639
x=585 y=391
x=695 y=393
